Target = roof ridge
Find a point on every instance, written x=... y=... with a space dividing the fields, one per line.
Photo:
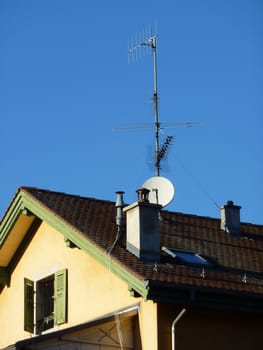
x=32 y=188
x=189 y=215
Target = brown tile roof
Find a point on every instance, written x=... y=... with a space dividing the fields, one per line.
x=237 y=261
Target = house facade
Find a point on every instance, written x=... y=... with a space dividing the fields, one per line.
x=74 y=277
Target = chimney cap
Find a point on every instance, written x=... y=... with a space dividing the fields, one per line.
x=119 y=201
x=143 y=195
x=230 y=203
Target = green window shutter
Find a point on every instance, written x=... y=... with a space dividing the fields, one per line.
x=28 y=305
x=61 y=297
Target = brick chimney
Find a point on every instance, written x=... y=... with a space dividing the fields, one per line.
x=230 y=218
x=142 y=222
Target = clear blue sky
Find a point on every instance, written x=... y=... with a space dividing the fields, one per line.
x=65 y=83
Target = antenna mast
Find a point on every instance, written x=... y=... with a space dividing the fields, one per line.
x=155 y=103
x=151 y=42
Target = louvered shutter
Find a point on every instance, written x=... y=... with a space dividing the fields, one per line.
x=28 y=305
x=61 y=297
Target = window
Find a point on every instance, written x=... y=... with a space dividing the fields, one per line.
x=45 y=302
x=186 y=256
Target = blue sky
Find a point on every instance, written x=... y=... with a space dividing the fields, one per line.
x=65 y=84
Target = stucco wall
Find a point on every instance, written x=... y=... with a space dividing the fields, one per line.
x=92 y=289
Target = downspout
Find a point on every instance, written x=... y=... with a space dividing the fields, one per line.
x=175 y=321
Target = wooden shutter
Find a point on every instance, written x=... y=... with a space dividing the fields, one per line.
x=61 y=297
x=28 y=305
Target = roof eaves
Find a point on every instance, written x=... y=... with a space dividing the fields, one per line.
x=205 y=296
x=10 y=217
x=137 y=285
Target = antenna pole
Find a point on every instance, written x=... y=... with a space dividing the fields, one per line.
x=155 y=102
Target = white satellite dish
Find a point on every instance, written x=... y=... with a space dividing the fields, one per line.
x=161 y=190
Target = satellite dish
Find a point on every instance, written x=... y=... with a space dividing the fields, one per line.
x=161 y=190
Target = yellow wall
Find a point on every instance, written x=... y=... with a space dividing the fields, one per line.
x=148 y=322
x=92 y=290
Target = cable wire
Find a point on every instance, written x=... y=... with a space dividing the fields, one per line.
x=197 y=182
x=116 y=316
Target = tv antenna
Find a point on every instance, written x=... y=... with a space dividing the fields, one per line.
x=146 y=43
x=151 y=42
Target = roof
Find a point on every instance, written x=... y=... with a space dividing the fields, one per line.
x=235 y=272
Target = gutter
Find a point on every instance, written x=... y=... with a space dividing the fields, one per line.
x=175 y=321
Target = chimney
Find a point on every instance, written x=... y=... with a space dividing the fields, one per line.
x=230 y=218
x=143 y=237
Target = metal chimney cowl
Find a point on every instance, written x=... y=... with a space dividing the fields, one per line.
x=230 y=218
x=119 y=206
x=142 y=225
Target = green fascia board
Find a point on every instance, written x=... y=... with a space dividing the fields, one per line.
x=10 y=218
x=77 y=238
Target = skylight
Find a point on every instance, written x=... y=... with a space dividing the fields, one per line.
x=186 y=256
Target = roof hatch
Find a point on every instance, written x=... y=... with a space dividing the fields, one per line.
x=186 y=256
